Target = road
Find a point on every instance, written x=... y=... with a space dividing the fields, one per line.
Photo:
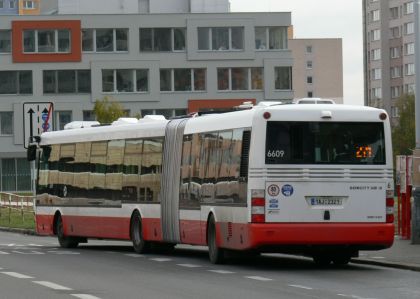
x=35 y=267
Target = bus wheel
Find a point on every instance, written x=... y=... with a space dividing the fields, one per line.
x=322 y=260
x=139 y=244
x=65 y=242
x=216 y=254
x=341 y=259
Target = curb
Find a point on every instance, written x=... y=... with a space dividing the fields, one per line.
x=18 y=230
x=386 y=264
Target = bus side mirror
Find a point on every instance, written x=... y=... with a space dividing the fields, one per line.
x=31 y=153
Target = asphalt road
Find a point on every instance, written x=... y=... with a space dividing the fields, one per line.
x=35 y=267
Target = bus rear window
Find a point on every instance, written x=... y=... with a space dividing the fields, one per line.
x=325 y=143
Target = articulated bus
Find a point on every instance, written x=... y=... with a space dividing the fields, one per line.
x=314 y=180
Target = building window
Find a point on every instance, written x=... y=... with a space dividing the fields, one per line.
x=394 y=52
x=394 y=13
x=310 y=94
x=409 y=49
x=125 y=80
x=62 y=118
x=375 y=35
x=309 y=79
x=6 y=123
x=28 y=4
x=395 y=92
x=276 y=37
x=394 y=32
x=395 y=111
x=409 y=69
x=408 y=8
x=240 y=78
x=46 y=41
x=409 y=28
x=105 y=40
x=220 y=38
x=15 y=82
x=5 y=41
x=89 y=115
x=12 y=4
x=283 y=78
x=182 y=79
x=308 y=49
x=375 y=54
x=376 y=74
x=309 y=64
x=162 y=39
x=375 y=15
x=1 y=4
x=410 y=88
x=66 y=81
x=377 y=92
x=396 y=72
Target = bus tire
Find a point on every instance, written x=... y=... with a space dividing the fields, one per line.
x=64 y=241
x=216 y=254
x=322 y=260
x=341 y=259
x=136 y=233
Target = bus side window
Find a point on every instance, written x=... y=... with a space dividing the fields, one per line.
x=196 y=173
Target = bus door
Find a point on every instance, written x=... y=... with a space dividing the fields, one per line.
x=170 y=183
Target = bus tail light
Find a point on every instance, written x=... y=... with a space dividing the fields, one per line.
x=258 y=206
x=389 y=206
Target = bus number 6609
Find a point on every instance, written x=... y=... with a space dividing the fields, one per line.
x=275 y=154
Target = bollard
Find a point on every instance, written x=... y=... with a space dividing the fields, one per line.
x=415 y=216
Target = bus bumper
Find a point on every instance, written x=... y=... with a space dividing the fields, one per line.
x=362 y=236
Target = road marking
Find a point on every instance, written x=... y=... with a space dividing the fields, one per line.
x=353 y=296
x=300 y=286
x=2 y=252
x=37 y=245
x=260 y=278
x=85 y=296
x=134 y=255
x=52 y=285
x=10 y=245
x=62 y=252
x=378 y=257
x=222 y=271
x=189 y=265
x=159 y=259
x=16 y=275
x=31 y=252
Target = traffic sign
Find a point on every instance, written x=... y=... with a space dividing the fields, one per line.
x=37 y=119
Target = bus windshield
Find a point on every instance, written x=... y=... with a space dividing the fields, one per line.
x=297 y=142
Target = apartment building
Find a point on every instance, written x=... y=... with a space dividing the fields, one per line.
x=9 y=7
x=318 y=68
x=388 y=52
x=167 y=64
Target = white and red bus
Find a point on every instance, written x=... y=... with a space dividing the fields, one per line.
x=315 y=180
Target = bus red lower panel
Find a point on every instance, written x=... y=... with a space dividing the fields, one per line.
x=365 y=234
x=44 y=224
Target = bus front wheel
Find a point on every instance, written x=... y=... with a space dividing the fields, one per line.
x=139 y=244
x=216 y=254
x=64 y=241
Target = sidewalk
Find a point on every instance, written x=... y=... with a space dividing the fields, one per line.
x=402 y=255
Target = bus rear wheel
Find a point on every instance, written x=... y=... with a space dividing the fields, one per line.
x=64 y=241
x=216 y=254
x=341 y=259
x=139 y=244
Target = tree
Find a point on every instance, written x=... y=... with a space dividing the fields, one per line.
x=107 y=110
x=403 y=134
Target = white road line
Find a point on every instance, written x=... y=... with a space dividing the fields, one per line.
x=3 y=252
x=300 y=286
x=16 y=275
x=222 y=271
x=260 y=278
x=159 y=259
x=62 y=252
x=189 y=265
x=134 y=255
x=378 y=257
x=84 y=296
x=10 y=245
x=37 y=245
x=29 y=252
x=52 y=285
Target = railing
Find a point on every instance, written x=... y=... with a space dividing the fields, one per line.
x=12 y=206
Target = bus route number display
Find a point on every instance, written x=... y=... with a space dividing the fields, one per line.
x=364 y=151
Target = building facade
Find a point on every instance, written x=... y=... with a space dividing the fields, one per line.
x=9 y=7
x=388 y=52
x=29 y=7
x=318 y=68
x=167 y=64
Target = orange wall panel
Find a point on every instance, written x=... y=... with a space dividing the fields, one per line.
x=29 y=11
x=75 y=54
x=199 y=105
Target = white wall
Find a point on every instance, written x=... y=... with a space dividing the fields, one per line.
x=210 y=6
x=98 y=6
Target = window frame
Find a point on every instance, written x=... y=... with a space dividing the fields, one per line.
x=114 y=40
x=229 y=47
x=36 y=41
x=134 y=80
x=192 y=80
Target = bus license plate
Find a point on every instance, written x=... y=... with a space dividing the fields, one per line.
x=325 y=201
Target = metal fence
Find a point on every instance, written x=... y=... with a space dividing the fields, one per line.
x=12 y=204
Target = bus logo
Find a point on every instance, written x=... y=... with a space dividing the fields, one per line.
x=273 y=190
x=287 y=190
